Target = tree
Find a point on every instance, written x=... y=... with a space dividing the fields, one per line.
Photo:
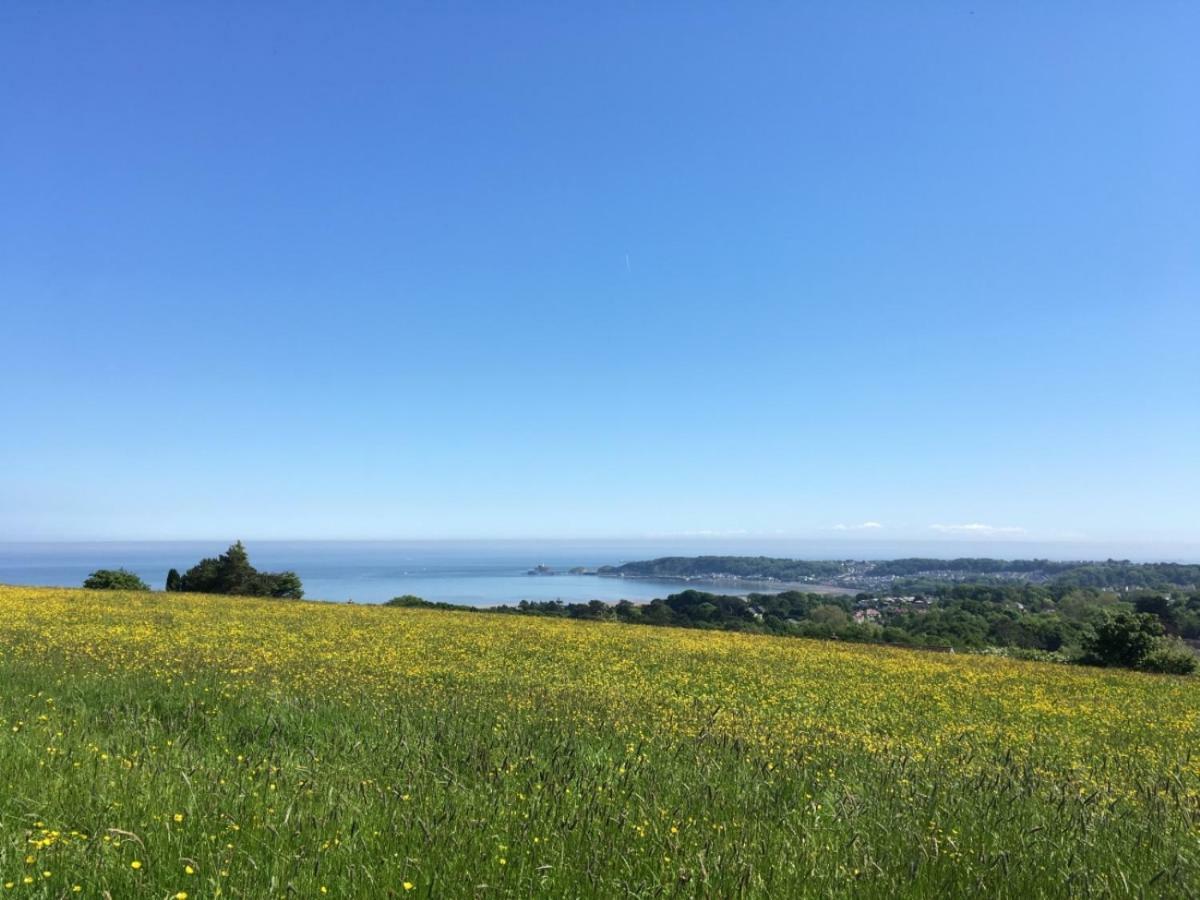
x=285 y=585
x=201 y=578
x=174 y=582
x=231 y=573
x=830 y=616
x=1160 y=607
x=627 y=611
x=1124 y=640
x=657 y=613
x=235 y=575
x=115 y=580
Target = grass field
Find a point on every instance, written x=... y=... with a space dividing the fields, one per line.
x=169 y=745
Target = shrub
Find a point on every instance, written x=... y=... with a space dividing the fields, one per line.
x=410 y=600
x=1124 y=640
x=1170 y=658
x=115 y=580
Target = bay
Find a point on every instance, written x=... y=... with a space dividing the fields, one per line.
x=491 y=572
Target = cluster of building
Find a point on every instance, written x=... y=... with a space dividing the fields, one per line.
x=858 y=576
x=873 y=609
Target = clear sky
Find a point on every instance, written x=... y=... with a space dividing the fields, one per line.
x=441 y=270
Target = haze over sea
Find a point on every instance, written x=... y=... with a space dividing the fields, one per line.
x=486 y=573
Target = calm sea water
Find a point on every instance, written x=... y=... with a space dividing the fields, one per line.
x=480 y=573
x=484 y=573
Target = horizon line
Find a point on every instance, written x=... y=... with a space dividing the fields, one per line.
x=836 y=538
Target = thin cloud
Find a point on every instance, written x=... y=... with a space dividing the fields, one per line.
x=865 y=525
x=978 y=528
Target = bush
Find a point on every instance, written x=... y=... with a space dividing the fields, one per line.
x=115 y=580
x=411 y=601
x=1124 y=640
x=1136 y=641
x=1170 y=658
x=408 y=600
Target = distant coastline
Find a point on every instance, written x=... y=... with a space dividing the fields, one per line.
x=489 y=573
x=908 y=575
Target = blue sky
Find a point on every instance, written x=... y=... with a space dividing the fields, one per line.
x=443 y=270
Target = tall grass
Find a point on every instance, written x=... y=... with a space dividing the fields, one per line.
x=244 y=748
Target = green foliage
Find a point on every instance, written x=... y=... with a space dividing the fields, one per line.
x=1135 y=641
x=829 y=615
x=231 y=573
x=1170 y=657
x=174 y=582
x=1124 y=640
x=115 y=580
x=750 y=567
x=1121 y=574
x=1179 y=616
x=966 y=565
x=1040 y=606
x=1021 y=620
x=411 y=601
x=1111 y=574
x=922 y=573
x=284 y=585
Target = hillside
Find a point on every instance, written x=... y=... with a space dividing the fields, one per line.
x=916 y=572
x=168 y=745
x=750 y=567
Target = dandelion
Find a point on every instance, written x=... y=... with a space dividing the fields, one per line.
x=839 y=727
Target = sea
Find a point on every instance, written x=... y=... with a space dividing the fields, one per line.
x=489 y=573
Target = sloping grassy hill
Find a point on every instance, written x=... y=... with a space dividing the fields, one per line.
x=160 y=745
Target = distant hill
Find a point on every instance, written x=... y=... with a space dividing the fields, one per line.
x=748 y=567
x=1106 y=575
x=967 y=565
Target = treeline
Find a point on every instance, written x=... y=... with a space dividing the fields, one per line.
x=1115 y=574
x=967 y=566
x=922 y=573
x=1106 y=576
x=229 y=573
x=733 y=566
